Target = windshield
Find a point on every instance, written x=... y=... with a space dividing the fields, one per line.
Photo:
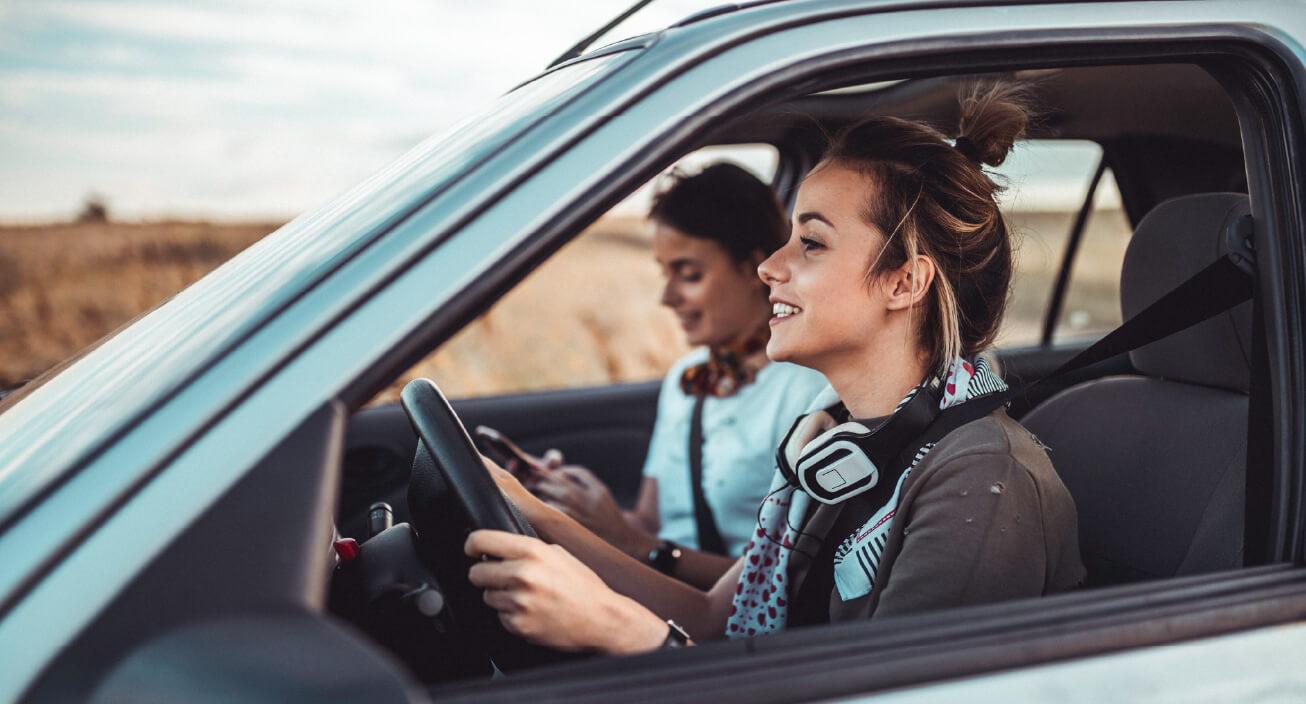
x=103 y=390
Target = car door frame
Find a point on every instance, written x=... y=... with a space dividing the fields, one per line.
x=363 y=348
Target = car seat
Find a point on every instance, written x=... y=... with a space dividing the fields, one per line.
x=1156 y=461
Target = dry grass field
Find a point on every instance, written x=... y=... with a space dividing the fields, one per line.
x=587 y=316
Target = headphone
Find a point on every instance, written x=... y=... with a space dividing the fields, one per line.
x=851 y=458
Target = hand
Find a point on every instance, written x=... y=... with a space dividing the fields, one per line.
x=530 y=505
x=546 y=595
x=575 y=491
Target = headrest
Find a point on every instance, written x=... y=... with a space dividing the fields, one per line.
x=1177 y=239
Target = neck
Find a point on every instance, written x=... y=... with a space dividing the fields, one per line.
x=758 y=321
x=872 y=386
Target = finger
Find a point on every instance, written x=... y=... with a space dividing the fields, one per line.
x=557 y=492
x=502 y=600
x=552 y=458
x=579 y=475
x=497 y=543
x=493 y=575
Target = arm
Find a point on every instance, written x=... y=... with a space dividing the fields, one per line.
x=974 y=534
x=645 y=516
x=584 y=593
x=578 y=493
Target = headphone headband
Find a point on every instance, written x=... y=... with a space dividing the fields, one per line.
x=851 y=457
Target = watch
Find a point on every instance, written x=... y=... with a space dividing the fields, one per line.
x=676 y=637
x=664 y=557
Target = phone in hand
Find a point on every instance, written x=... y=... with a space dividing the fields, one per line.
x=506 y=454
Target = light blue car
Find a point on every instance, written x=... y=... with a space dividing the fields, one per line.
x=169 y=500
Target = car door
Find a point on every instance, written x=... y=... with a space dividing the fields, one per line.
x=859 y=658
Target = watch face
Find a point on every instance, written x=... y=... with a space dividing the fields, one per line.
x=677 y=637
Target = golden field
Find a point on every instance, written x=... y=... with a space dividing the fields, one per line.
x=588 y=316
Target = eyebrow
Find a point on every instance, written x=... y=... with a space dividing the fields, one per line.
x=807 y=217
x=681 y=263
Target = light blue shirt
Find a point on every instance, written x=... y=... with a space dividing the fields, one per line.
x=740 y=436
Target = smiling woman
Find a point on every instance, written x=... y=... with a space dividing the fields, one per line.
x=898 y=264
x=723 y=407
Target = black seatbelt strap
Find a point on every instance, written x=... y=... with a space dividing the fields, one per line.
x=1260 y=443
x=1208 y=293
x=709 y=538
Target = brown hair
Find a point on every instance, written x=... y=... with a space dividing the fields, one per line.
x=932 y=199
x=726 y=204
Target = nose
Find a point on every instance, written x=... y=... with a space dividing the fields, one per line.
x=773 y=269
x=670 y=296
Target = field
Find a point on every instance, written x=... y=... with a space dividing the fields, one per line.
x=587 y=316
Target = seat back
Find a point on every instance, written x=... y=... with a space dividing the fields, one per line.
x=1156 y=461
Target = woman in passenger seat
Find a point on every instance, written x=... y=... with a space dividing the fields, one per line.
x=711 y=230
x=894 y=280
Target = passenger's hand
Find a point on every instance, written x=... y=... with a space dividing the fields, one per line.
x=575 y=491
x=546 y=595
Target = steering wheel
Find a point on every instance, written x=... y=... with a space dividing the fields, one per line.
x=458 y=464
x=448 y=469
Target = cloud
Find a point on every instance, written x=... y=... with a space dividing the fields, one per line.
x=250 y=107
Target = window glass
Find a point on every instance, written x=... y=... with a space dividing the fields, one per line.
x=587 y=316
x=1046 y=183
x=1092 y=304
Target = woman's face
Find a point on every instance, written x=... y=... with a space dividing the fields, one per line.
x=824 y=314
x=718 y=301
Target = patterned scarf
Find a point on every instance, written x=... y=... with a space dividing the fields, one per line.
x=725 y=372
x=760 y=604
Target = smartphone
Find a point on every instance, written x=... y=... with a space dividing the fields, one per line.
x=505 y=452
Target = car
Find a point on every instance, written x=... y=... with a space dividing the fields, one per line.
x=171 y=499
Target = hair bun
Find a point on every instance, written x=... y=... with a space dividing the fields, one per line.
x=993 y=117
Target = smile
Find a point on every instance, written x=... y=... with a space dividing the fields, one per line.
x=784 y=310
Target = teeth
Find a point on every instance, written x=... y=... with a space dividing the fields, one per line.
x=783 y=310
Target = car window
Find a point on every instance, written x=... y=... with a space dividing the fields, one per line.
x=1047 y=182
x=588 y=316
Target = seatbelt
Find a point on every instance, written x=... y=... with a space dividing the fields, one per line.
x=1219 y=287
x=1208 y=293
x=709 y=538
x=1260 y=444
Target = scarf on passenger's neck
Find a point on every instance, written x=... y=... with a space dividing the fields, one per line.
x=761 y=600
x=725 y=370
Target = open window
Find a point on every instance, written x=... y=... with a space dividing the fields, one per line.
x=1129 y=104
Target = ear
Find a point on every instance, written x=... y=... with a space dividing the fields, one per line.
x=907 y=286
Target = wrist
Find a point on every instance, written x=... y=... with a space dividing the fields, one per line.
x=639 y=544
x=637 y=630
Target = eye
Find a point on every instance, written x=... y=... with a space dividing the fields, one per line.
x=810 y=245
x=691 y=276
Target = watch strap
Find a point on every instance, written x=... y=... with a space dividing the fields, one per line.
x=665 y=557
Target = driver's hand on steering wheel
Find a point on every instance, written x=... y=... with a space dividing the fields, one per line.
x=547 y=596
x=529 y=504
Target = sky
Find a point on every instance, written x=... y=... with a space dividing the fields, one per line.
x=257 y=109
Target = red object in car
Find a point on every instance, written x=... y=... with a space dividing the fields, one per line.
x=347 y=549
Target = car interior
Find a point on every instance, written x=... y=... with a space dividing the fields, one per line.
x=1163 y=426
x=1153 y=444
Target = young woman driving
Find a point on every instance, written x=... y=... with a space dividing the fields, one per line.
x=711 y=230
x=893 y=281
